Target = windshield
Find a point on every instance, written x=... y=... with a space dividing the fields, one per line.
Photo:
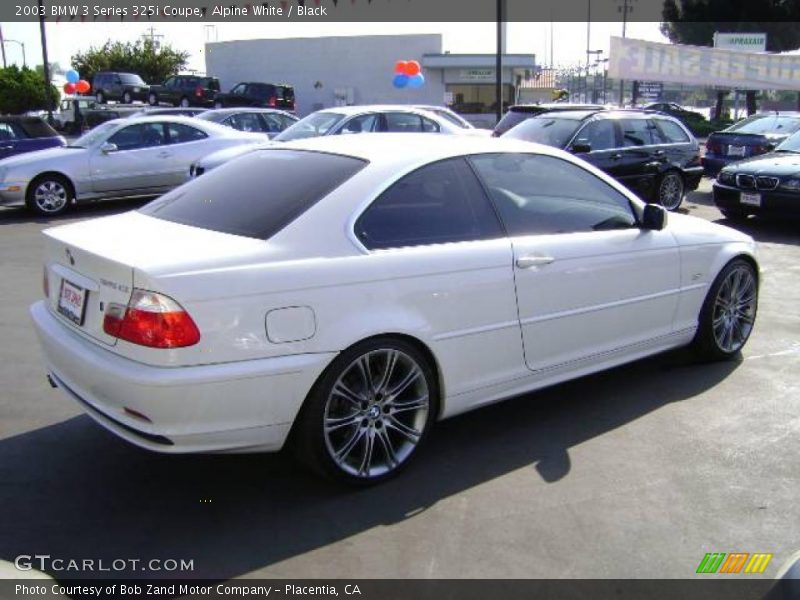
x=454 y=119
x=790 y=144
x=766 y=124
x=131 y=78
x=545 y=130
x=318 y=123
x=90 y=138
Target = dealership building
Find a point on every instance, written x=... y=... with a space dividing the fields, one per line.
x=339 y=71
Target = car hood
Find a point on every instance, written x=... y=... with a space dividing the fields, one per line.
x=690 y=230
x=46 y=156
x=775 y=163
x=219 y=157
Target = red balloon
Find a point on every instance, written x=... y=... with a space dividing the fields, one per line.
x=82 y=86
x=412 y=68
x=69 y=88
x=400 y=67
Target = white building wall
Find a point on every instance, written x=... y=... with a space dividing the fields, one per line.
x=361 y=66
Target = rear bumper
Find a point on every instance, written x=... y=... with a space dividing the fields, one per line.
x=773 y=203
x=244 y=406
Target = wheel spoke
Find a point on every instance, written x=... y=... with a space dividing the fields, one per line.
x=366 y=374
x=345 y=451
x=409 y=432
x=366 y=457
x=341 y=390
x=415 y=404
x=391 y=362
x=410 y=378
x=388 y=447
x=333 y=424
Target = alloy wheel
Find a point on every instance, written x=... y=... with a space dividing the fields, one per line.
x=670 y=191
x=735 y=309
x=50 y=196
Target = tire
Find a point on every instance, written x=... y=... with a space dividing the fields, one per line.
x=49 y=195
x=184 y=102
x=729 y=312
x=127 y=98
x=670 y=190
x=379 y=400
x=152 y=100
x=733 y=214
x=218 y=105
x=100 y=97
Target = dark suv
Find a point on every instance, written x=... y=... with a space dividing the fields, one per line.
x=519 y=112
x=254 y=93
x=185 y=90
x=124 y=87
x=651 y=153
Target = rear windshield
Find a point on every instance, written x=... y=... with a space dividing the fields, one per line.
x=766 y=124
x=511 y=118
x=131 y=78
x=315 y=124
x=258 y=194
x=37 y=128
x=545 y=130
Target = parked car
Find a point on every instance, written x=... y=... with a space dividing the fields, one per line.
x=346 y=120
x=70 y=114
x=185 y=90
x=20 y=135
x=143 y=156
x=377 y=287
x=653 y=154
x=766 y=185
x=123 y=87
x=672 y=109
x=518 y=113
x=169 y=110
x=269 y=121
x=447 y=114
x=757 y=134
x=254 y=93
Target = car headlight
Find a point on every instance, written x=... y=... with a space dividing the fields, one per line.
x=792 y=184
x=726 y=178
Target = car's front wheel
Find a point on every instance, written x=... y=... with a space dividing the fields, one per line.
x=729 y=312
x=369 y=412
x=184 y=102
x=49 y=195
x=152 y=99
x=670 y=190
x=127 y=98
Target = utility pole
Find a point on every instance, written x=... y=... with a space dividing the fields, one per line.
x=3 y=46
x=45 y=63
x=588 y=44
x=625 y=8
x=498 y=80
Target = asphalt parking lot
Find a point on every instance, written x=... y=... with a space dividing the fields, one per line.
x=633 y=473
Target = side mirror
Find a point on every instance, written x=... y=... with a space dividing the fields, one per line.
x=108 y=147
x=654 y=217
x=581 y=147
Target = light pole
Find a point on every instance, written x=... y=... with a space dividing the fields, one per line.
x=625 y=9
x=597 y=54
x=22 y=45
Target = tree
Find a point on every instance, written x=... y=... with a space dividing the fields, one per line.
x=695 y=21
x=152 y=62
x=22 y=90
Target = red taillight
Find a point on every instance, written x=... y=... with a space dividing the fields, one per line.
x=151 y=319
x=45 y=283
x=272 y=100
x=713 y=147
x=198 y=91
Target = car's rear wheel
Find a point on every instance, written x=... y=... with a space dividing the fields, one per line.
x=184 y=102
x=127 y=98
x=670 y=190
x=49 y=195
x=152 y=100
x=729 y=312
x=369 y=412
x=100 y=97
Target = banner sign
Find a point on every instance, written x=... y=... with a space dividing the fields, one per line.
x=751 y=42
x=649 y=90
x=700 y=65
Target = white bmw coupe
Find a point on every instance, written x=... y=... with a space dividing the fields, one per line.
x=344 y=294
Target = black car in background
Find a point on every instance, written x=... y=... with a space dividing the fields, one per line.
x=260 y=120
x=651 y=153
x=123 y=87
x=767 y=185
x=185 y=90
x=519 y=112
x=254 y=93
x=755 y=135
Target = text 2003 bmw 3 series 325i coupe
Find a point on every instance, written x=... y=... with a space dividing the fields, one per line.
x=344 y=296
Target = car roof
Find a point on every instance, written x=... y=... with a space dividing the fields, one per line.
x=243 y=109
x=363 y=108
x=427 y=147
x=554 y=106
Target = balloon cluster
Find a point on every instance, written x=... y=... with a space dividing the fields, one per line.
x=408 y=73
x=75 y=83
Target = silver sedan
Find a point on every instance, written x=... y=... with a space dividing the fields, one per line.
x=140 y=156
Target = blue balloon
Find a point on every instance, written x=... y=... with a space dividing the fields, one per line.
x=400 y=80
x=72 y=76
x=416 y=81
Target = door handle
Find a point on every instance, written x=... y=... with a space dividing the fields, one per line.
x=9 y=147
x=526 y=262
x=658 y=153
x=164 y=154
x=616 y=156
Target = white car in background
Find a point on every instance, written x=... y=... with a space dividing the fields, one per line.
x=137 y=156
x=351 y=294
x=350 y=120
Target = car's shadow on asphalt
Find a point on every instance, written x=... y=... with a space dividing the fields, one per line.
x=777 y=231
x=71 y=490
x=17 y=216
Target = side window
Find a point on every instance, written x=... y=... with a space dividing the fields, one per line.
x=636 y=132
x=271 y=123
x=7 y=132
x=403 y=122
x=438 y=203
x=428 y=125
x=171 y=82
x=360 y=124
x=600 y=135
x=672 y=132
x=180 y=133
x=244 y=122
x=537 y=194
x=143 y=135
x=239 y=89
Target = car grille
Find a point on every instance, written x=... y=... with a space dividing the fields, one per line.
x=751 y=182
